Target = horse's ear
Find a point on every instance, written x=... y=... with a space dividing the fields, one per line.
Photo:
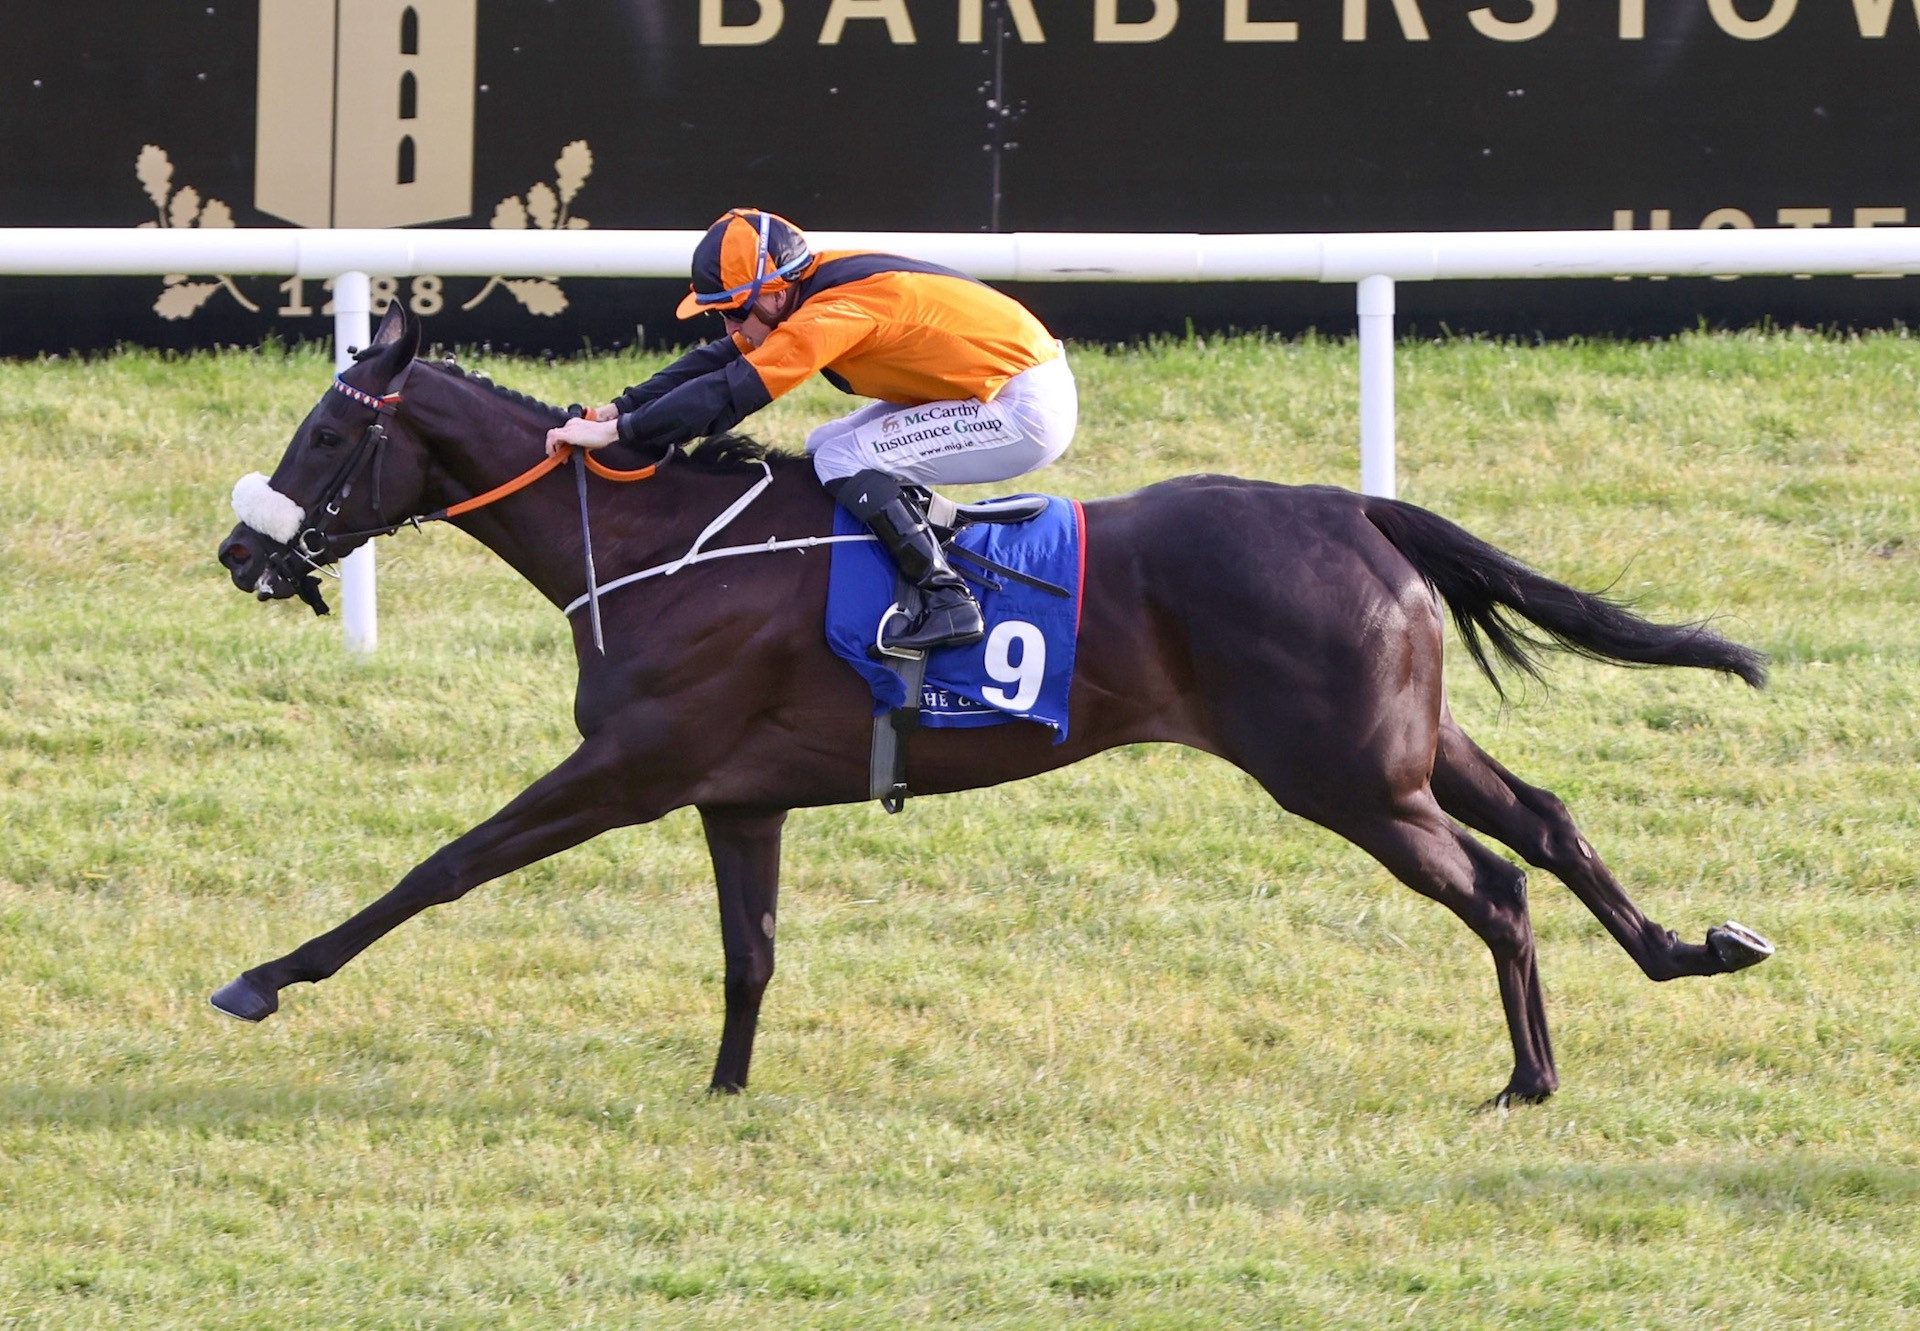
x=398 y=326
x=395 y=343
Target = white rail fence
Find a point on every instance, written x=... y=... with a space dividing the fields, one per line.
x=1373 y=262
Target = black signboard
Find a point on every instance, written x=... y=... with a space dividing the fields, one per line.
x=952 y=115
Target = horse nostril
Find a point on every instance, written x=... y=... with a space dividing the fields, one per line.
x=236 y=554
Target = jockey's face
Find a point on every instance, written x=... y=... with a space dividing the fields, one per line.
x=760 y=316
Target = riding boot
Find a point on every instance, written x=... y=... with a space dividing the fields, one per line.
x=949 y=616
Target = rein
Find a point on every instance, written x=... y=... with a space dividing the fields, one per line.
x=388 y=405
x=558 y=459
x=311 y=542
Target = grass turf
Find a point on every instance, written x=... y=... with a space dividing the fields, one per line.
x=1121 y=1046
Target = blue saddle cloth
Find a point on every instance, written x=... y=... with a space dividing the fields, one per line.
x=1021 y=670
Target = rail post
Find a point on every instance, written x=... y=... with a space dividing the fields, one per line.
x=1376 y=386
x=359 y=600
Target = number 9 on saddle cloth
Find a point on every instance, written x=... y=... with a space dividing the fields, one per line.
x=1022 y=668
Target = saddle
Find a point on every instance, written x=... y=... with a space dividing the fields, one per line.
x=948 y=518
x=951 y=517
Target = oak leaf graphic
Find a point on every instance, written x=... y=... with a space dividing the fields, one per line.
x=155 y=173
x=571 y=169
x=182 y=208
x=540 y=295
x=510 y=214
x=543 y=205
x=183 y=298
x=546 y=207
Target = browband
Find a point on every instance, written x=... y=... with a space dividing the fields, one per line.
x=382 y=404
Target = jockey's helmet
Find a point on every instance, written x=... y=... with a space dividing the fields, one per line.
x=745 y=253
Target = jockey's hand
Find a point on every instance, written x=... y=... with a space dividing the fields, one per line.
x=584 y=433
x=606 y=411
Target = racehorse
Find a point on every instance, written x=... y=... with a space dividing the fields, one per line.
x=1293 y=631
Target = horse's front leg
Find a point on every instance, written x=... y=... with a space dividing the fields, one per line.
x=581 y=798
x=745 y=844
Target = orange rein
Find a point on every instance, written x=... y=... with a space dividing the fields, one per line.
x=557 y=458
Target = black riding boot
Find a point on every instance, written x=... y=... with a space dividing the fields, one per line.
x=949 y=616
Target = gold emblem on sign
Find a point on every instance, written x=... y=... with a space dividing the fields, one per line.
x=365 y=111
x=365 y=118
x=182 y=207
x=549 y=208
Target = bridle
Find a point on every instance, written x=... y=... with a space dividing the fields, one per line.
x=312 y=541
x=298 y=560
x=308 y=552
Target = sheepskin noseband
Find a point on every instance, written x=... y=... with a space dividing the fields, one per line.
x=265 y=509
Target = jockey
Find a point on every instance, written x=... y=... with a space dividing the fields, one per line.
x=970 y=387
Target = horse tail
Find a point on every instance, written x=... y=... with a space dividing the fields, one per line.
x=1485 y=588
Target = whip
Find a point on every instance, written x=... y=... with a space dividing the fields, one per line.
x=586 y=534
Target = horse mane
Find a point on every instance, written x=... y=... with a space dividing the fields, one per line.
x=733 y=452
x=722 y=452
x=555 y=415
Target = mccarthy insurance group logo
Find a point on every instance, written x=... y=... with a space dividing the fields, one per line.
x=365 y=119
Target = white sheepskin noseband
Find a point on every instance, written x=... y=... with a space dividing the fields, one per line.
x=265 y=509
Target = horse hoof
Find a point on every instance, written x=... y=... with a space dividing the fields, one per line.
x=1511 y=1096
x=246 y=1000
x=1737 y=946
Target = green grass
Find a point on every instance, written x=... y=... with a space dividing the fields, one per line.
x=1121 y=1046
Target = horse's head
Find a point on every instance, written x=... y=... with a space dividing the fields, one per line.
x=352 y=470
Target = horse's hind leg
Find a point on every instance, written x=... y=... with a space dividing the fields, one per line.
x=1352 y=751
x=1417 y=843
x=1486 y=796
x=1425 y=851
x=745 y=845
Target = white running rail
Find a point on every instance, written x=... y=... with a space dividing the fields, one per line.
x=1373 y=262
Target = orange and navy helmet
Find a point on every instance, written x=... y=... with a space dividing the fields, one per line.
x=745 y=253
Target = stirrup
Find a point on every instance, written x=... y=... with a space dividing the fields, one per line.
x=953 y=637
x=880 y=651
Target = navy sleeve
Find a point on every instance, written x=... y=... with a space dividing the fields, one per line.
x=699 y=361
x=716 y=401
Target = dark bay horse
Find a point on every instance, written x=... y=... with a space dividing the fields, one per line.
x=1293 y=631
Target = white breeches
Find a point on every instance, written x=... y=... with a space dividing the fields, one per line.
x=1026 y=426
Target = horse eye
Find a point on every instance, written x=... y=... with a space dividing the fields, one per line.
x=325 y=438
